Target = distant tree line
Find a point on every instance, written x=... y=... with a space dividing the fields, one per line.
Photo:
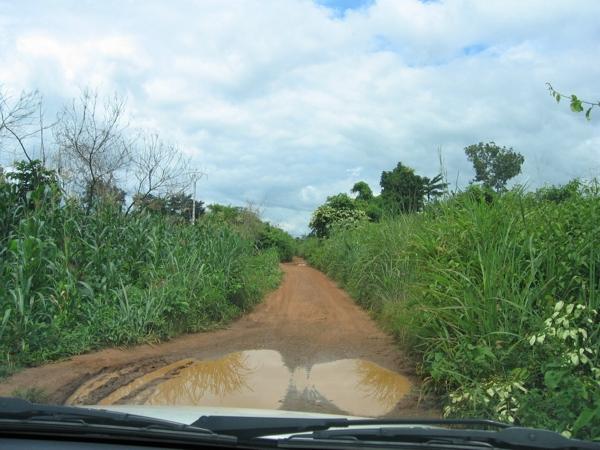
x=403 y=191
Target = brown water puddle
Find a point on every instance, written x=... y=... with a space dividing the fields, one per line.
x=260 y=379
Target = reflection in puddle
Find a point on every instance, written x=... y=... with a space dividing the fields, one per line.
x=254 y=379
x=260 y=379
x=359 y=387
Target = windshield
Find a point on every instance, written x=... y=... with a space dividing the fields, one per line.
x=359 y=208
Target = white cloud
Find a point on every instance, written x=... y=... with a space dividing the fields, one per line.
x=283 y=102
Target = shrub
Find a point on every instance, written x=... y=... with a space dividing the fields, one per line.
x=276 y=238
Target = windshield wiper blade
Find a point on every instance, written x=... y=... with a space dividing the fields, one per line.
x=510 y=437
x=18 y=409
x=252 y=427
x=395 y=430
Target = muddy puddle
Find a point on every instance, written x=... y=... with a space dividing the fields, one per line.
x=260 y=379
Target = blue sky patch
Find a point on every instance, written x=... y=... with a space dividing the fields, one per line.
x=340 y=7
x=474 y=49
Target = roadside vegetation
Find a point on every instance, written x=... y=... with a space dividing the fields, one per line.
x=101 y=245
x=494 y=291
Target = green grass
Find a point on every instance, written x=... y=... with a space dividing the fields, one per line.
x=470 y=287
x=73 y=281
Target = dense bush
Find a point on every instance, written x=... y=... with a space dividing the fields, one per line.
x=246 y=222
x=74 y=281
x=272 y=237
x=497 y=296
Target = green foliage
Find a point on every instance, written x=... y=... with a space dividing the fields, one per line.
x=494 y=165
x=73 y=281
x=373 y=209
x=181 y=205
x=30 y=176
x=150 y=204
x=559 y=194
x=245 y=221
x=363 y=191
x=276 y=238
x=102 y=192
x=497 y=296
x=177 y=205
x=339 y=211
x=402 y=190
x=434 y=187
x=576 y=104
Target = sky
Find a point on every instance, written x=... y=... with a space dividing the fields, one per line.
x=281 y=103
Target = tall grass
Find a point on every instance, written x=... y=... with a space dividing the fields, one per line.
x=72 y=281
x=495 y=299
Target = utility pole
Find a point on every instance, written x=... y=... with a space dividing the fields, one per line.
x=194 y=203
x=195 y=176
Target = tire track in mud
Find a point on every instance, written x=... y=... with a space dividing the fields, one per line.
x=308 y=326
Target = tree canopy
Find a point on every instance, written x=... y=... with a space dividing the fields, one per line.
x=339 y=210
x=494 y=165
x=402 y=190
x=363 y=190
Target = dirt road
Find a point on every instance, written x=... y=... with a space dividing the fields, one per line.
x=308 y=346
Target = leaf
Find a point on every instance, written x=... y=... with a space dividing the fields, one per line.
x=585 y=418
x=576 y=104
x=557 y=97
x=552 y=378
x=587 y=113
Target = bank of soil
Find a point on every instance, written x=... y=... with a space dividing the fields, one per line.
x=308 y=326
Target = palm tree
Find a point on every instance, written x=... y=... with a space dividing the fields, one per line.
x=434 y=187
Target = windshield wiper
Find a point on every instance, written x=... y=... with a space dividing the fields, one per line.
x=250 y=427
x=422 y=431
x=510 y=437
x=16 y=410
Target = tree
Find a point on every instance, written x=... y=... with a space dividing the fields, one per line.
x=92 y=142
x=363 y=190
x=30 y=176
x=402 y=190
x=22 y=118
x=373 y=208
x=341 y=201
x=494 y=165
x=150 y=202
x=338 y=211
x=434 y=187
x=577 y=104
x=273 y=237
x=180 y=205
x=158 y=168
x=104 y=192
